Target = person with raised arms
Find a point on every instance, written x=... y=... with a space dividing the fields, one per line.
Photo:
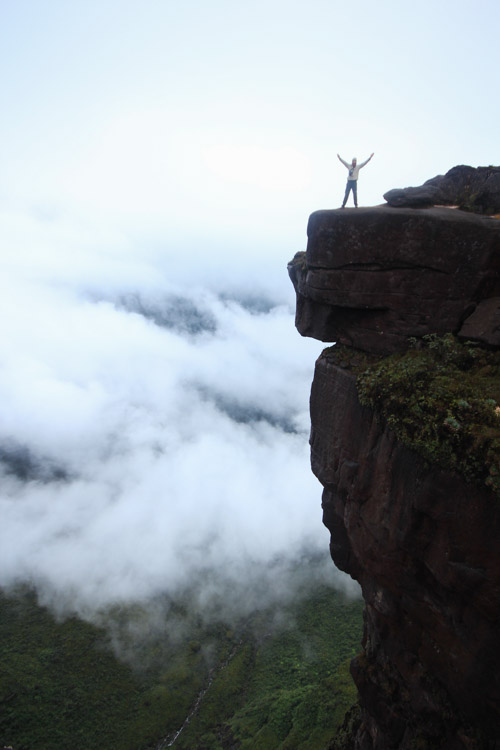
x=352 y=179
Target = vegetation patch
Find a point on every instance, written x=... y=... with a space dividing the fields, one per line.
x=288 y=686
x=276 y=678
x=62 y=687
x=442 y=399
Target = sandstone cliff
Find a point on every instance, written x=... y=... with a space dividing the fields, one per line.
x=421 y=538
x=372 y=277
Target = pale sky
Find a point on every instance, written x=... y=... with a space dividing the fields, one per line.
x=220 y=121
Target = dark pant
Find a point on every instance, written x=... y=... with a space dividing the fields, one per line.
x=351 y=185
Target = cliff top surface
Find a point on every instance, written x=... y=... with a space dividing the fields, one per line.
x=373 y=277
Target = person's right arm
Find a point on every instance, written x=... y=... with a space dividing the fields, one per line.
x=343 y=162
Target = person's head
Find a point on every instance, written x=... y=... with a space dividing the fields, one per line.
x=354 y=161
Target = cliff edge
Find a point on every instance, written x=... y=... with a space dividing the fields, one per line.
x=372 y=277
x=413 y=514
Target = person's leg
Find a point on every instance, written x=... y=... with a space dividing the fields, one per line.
x=355 y=192
x=347 y=191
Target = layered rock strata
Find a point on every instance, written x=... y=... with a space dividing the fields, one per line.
x=373 y=277
x=423 y=543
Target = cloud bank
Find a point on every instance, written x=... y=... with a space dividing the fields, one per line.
x=154 y=426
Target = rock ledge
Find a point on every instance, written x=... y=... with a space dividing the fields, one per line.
x=372 y=277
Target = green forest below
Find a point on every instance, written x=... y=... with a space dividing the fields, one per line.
x=276 y=678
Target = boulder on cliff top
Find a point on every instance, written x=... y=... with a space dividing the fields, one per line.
x=471 y=189
x=373 y=277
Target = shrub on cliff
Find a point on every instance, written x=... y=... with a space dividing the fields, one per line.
x=442 y=399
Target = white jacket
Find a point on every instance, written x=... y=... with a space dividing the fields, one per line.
x=354 y=171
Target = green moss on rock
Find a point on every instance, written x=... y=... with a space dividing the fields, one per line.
x=442 y=399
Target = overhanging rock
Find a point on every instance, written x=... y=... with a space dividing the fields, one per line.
x=373 y=277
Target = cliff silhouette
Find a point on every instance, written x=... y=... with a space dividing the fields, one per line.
x=405 y=439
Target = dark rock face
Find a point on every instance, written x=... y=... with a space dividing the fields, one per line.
x=470 y=189
x=424 y=546
x=483 y=325
x=373 y=277
x=423 y=543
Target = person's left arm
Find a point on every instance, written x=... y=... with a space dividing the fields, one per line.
x=366 y=162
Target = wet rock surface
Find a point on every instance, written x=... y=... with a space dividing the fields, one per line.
x=422 y=542
x=372 y=277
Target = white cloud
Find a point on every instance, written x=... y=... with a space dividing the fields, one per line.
x=148 y=433
x=158 y=170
